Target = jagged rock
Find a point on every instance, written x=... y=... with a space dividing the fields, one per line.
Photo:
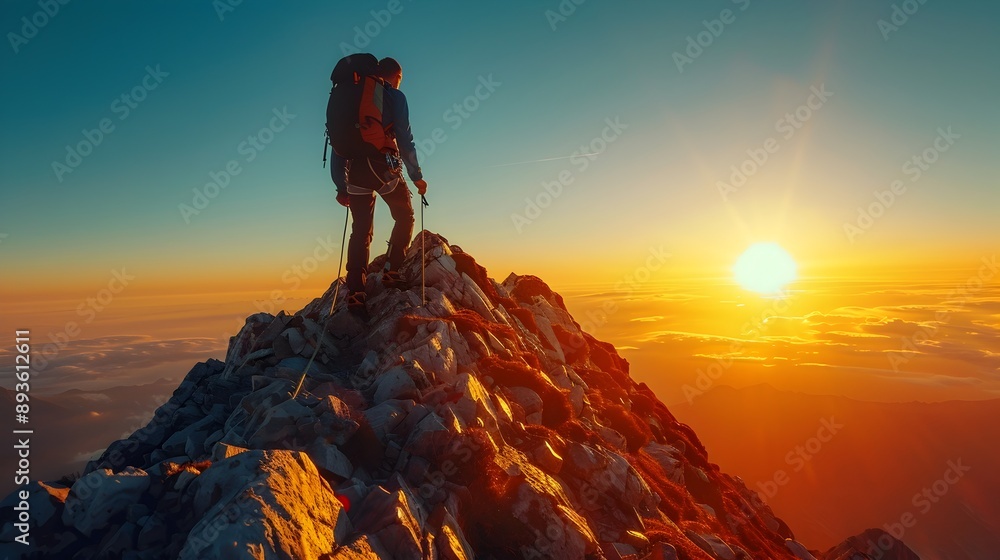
x=296 y=342
x=800 y=552
x=97 y=497
x=450 y=541
x=366 y=547
x=278 y=425
x=547 y=458
x=395 y=519
x=669 y=459
x=274 y=328
x=265 y=504
x=395 y=384
x=334 y=421
x=583 y=461
x=330 y=460
x=577 y=399
x=475 y=406
x=44 y=502
x=222 y=451
x=529 y=401
x=384 y=417
x=712 y=544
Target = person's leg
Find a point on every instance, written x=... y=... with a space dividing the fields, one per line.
x=362 y=210
x=401 y=210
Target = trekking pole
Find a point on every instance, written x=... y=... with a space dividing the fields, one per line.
x=336 y=291
x=326 y=144
x=423 y=251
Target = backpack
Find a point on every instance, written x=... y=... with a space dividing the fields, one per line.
x=354 y=112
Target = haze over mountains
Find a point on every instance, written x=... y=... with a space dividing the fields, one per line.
x=871 y=472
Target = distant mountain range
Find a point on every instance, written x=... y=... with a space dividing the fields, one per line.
x=69 y=427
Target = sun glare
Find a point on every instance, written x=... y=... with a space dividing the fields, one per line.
x=765 y=268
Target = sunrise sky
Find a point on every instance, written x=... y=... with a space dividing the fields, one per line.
x=644 y=128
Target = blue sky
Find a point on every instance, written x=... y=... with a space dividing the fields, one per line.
x=656 y=184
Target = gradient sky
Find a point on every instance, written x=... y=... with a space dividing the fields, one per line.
x=654 y=186
x=640 y=242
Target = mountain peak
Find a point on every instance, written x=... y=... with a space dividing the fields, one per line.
x=481 y=422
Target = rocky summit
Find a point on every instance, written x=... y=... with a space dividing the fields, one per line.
x=479 y=423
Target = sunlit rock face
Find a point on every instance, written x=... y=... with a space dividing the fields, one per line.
x=476 y=422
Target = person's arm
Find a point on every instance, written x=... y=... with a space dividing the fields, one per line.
x=404 y=136
x=338 y=172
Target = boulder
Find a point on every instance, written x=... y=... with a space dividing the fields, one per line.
x=711 y=544
x=529 y=401
x=264 y=504
x=96 y=498
x=384 y=417
x=395 y=384
x=278 y=425
x=365 y=547
x=450 y=541
x=800 y=551
x=546 y=458
x=329 y=460
x=394 y=519
x=334 y=420
x=475 y=404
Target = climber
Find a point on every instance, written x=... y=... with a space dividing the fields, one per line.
x=359 y=178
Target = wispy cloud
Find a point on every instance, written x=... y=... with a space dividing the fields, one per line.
x=120 y=360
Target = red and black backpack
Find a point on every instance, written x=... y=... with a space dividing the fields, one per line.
x=354 y=112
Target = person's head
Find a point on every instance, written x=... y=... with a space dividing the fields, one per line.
x=391 y=71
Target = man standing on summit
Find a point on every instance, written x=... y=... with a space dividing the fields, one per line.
x=369 y=102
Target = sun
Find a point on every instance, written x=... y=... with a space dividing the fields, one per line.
x=765 y=268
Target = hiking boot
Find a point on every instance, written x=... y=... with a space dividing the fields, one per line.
x=356 y=302
x=392 y=279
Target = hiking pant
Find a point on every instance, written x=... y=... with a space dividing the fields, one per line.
x=363 y=211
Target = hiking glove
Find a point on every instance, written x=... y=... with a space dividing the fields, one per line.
x=421 y=186
x=344 y=199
